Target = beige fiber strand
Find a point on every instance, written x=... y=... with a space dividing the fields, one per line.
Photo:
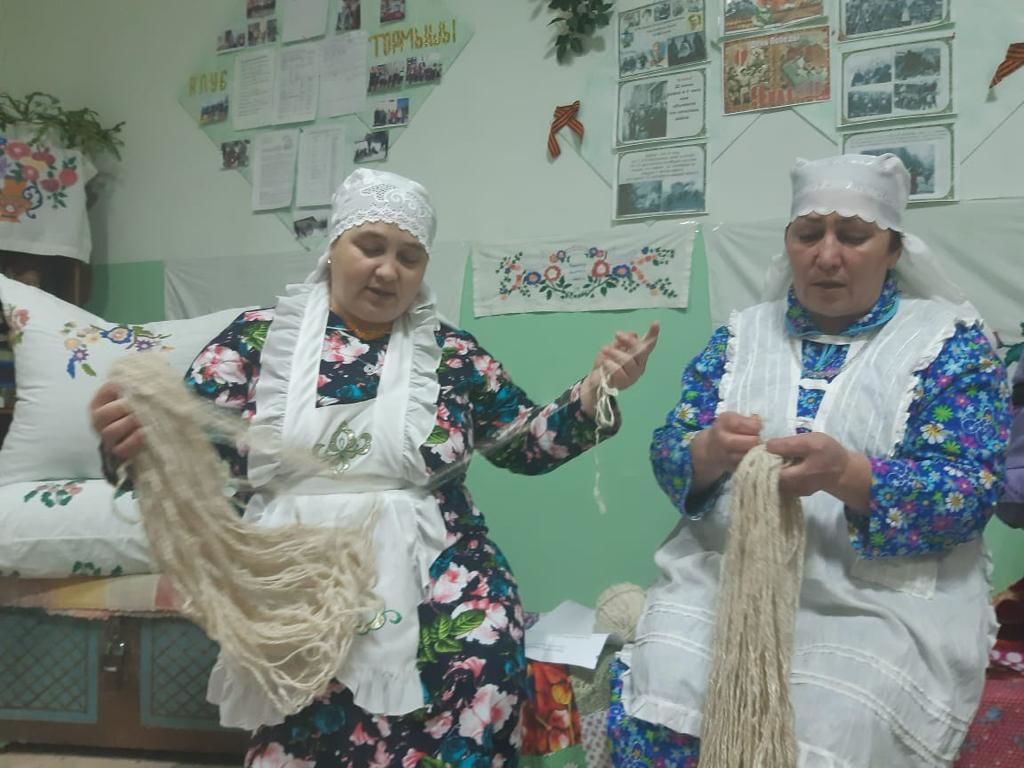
x=283 y=603
x=748 y=715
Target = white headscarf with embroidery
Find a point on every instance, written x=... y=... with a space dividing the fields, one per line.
x=875 y=189
x=369 y=195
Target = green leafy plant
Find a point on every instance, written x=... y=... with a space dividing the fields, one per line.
x=75 y=128
x=578 y=22
x=1013 y=351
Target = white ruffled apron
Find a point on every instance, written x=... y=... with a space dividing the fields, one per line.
x=375 y=449
x=890 y=653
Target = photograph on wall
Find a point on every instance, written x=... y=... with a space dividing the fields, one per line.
x=312 y=225
x=229 y=40
x=746 y=15
x=666 y=181
x=392 y=10
x=423 y=70
x=926 y=151
x=391 y=113
x=373 y=147
x=257 y=8
x=777 y=70
x=262 y=32
x=214 y=110
x=234 y=155
x=349 y=16
x=880 y=17
x=661 y=36
x=898 y=81
x=389 y=76
x=670 y=106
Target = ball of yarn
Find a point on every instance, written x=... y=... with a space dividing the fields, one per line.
x=618 y=610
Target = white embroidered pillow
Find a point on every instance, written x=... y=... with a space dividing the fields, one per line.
x=62 y=355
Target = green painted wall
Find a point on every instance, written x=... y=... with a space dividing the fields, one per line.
x=127 y=293
x=559 y=545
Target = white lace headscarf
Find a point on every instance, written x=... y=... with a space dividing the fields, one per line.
x=875 y=189
x=378 y=196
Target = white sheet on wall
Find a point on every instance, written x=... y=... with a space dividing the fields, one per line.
x=977 y=243
x=621 y=268
x=199 y=286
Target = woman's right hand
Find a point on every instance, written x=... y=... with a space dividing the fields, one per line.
x=721 y=447
x=118 y=428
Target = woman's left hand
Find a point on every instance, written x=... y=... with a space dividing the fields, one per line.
x=822 y=463
x=623 y=361
x=819 y=462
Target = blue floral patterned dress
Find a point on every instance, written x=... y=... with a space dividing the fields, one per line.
x=471 y=647
x=937 y=491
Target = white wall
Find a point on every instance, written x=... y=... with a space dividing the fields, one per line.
x=478 y=143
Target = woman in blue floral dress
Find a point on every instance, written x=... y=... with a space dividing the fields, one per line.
x=895 y=408
x=466 y=662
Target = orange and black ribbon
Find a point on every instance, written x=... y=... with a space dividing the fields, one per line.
x=1014 y=60
x=564 y=116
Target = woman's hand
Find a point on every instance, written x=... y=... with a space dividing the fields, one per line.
x=623 y=361
x=822 y=463
x=721 y=447
x=118 y=428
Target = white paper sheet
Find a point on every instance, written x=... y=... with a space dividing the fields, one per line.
x=577 y=650
x=344 y=72
x=297 y=85
x=273 y=169
x=569 y=618
x=566 y=636
x=253 y=100
x=302 y=19
x=321 y=165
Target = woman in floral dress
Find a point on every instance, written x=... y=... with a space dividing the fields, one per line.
x=468 y=671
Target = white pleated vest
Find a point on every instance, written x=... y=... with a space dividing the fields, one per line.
x=890 y=653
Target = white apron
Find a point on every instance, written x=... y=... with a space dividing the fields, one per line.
x=375 y=449
x=890 y=653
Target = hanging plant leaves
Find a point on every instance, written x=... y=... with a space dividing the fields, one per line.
x=579 y=21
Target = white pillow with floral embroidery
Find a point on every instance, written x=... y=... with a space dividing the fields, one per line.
x=62 y=355
x=70 y=528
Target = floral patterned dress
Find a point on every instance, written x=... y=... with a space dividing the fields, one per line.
x=937 y=491
x=470 y=658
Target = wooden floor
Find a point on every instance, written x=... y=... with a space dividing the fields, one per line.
x=33 y=758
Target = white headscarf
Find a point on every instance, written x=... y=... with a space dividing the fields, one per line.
x=378 y=196
x=875 y=189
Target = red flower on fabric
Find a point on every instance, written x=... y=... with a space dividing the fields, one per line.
x=29 y=173
x=44 y=157
x=50 y=185
x=67 y=177
x=600 y=268
x=552 y=273
x=18 y=150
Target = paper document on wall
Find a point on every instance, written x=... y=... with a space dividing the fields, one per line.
x=253 y=100
x=321 y=165
x=297 y=84
x=273 y=169
x=302 y=19
x=343 y=74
